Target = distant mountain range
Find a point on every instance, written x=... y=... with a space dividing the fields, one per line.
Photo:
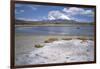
x=57 y=21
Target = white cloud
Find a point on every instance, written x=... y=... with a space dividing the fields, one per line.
x=32 y=7
x=52 y=15
x=20 y=11
x=88 y=12
x=44 y=18
x=17 y=11
x=27 y=19
x=75 y=11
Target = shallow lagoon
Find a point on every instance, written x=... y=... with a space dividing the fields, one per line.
x=47 y=30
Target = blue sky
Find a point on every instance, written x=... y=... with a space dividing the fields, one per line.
x=31 y=12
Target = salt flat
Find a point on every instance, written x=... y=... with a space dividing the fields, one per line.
x=60 y=51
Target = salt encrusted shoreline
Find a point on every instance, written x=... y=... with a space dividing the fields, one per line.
x=60 y=51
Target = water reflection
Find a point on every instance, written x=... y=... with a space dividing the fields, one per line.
x=85 y=30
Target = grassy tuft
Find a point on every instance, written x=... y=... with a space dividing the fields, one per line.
x=66 y=38
x=84 y=38
x=38 y=46
x=50 y=40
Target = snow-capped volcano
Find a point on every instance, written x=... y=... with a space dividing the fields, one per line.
x=54 y=15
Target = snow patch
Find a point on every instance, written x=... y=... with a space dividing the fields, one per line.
x=53 y=15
